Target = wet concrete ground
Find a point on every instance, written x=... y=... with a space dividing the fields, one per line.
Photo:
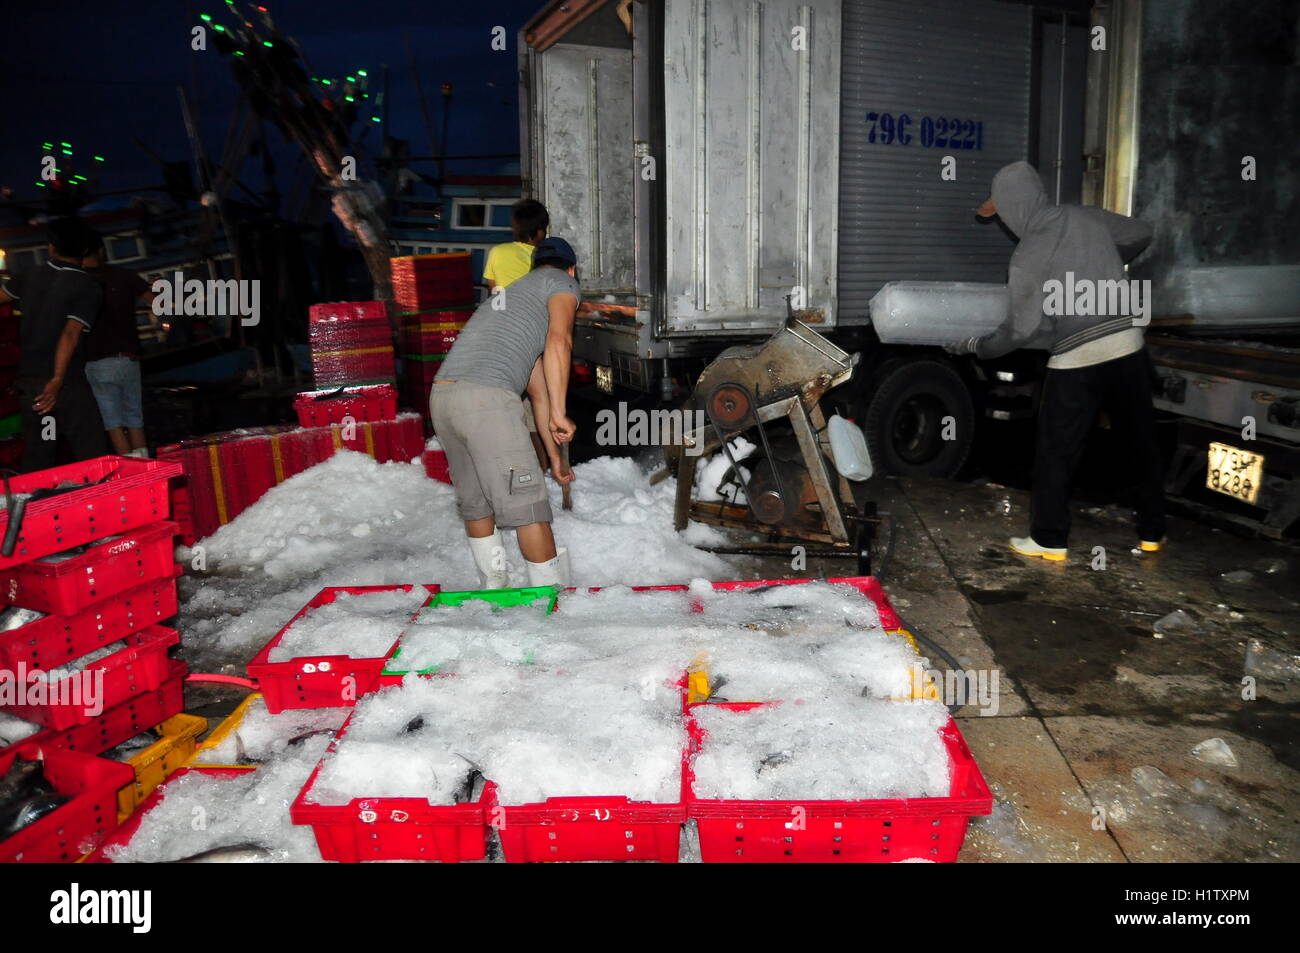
x=1089 y=746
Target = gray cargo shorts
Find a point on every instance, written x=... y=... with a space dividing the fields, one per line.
x=493 y=464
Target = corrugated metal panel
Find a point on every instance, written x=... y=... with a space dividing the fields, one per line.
x=943 y=59
x=750 y=175
x=584 y=176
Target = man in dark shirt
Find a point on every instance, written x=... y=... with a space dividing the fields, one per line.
x=59 y=302
x=113 y=353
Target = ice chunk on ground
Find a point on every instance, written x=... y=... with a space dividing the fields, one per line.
x=1215 y=751
x=1155 y=782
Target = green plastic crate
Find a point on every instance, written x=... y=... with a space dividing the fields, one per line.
x=502 y=597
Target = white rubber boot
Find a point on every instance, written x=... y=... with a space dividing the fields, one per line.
x=553 y=572
x=490 y=559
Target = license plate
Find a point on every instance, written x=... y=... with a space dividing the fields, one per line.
x=1233 y=472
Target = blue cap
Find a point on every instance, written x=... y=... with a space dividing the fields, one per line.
x=555 y=248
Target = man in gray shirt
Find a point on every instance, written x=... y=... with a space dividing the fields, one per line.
x=519 y=339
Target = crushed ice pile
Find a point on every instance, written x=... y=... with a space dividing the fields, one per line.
x=830 y=748
x=262 y=737
x=359 y=625
x=586 y=701
x=14 y=729
x=537 y=734
x=351 y=521
x=202 y=812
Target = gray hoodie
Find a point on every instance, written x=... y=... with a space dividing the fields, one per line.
x=1091 y=243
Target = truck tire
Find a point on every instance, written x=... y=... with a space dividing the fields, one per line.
x=903 y=419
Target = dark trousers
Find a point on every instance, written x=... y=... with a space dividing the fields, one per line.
x=77 y=426
x=1066 y=414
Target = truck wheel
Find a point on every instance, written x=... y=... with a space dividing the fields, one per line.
x=904 y=419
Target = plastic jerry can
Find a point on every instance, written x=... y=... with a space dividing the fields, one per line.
x=849 y=448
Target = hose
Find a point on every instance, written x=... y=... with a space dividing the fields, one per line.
x=938 y=650
x=237 y=680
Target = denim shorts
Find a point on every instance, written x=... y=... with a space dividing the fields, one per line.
x=116 y=383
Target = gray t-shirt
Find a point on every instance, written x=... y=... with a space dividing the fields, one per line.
x=499 y=348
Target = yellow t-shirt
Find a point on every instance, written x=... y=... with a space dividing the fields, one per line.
x=507 y=263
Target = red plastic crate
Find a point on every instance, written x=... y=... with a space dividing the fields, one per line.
x=321 y=408
x=104 y=570
x=68 y=832
x=134 y=494
x=319 y=681
x=435 y=465
x=9 y=355
x=140 y=667
x=879 y=831
x=394 y=828
x=125 y=720
x=328 y=311
x=587 y=829
x=9 y=404
x=55 y=639
x=122 y=835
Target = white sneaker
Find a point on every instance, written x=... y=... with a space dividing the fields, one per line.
x=1025 y=546
x=553 y=572
x=490 y=560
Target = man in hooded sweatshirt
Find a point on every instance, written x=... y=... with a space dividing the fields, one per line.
x=1098 y=360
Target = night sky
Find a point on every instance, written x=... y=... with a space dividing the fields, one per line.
x=99 y=74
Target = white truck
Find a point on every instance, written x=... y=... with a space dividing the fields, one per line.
x=721 y=164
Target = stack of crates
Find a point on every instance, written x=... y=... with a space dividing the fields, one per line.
x=435 y=297
x=351 y=343
x=11 y=441
x=85 y=592
x=225 y=473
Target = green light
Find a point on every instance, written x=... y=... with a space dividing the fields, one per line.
x=66 y=145
x=362 y=72
x=99 y=158
x=239 y=52
x=67 y=152
x=40 y=185
x=47 y=146
x=219 y=28
x=352 y=79
x=205 y=18
x=375 y=119
x=349 y=99
x=80 y=178
x=267 y=43
x=327 y=82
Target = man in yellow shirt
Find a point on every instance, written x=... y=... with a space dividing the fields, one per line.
x=509 y=261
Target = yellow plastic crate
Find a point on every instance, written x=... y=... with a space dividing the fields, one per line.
x=156 y=763
x=224 y=731
x=698 y=687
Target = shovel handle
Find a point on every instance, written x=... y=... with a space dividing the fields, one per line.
x=566 y=491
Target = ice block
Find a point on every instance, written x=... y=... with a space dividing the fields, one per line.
x=937 y=312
